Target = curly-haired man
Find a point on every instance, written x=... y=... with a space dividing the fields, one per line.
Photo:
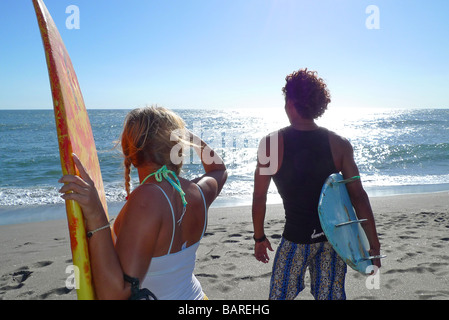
x=299 y=158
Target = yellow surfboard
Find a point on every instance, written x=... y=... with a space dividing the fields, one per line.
x=74 y=136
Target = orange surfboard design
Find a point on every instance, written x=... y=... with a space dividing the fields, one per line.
x=74 y=136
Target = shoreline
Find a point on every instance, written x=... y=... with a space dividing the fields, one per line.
x=413 y=230
x=18 y=214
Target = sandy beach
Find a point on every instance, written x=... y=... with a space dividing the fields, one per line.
x=413 y=230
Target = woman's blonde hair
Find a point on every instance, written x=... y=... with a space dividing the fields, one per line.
x=148 y=137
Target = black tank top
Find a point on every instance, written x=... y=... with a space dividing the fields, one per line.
x=306 y=163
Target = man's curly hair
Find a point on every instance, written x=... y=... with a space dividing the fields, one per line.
x=308 y=93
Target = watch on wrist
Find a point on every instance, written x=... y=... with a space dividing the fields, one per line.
x=262 y=239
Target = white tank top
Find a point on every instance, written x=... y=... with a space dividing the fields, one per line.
x=170 y=277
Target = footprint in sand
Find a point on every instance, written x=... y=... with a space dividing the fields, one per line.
x=57 y=291
x=393 y=283
x=42 y=264
x=17 y=279
x=14 y=280
x=234 y=235
x=24 y=244
x=427 y=295
x=209 y=278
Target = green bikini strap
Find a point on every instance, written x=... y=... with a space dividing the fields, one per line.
x=164 y=173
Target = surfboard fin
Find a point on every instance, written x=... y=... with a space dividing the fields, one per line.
x=350 y=222
x=375 y=257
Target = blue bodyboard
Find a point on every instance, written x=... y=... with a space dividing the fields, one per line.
x=341 y=225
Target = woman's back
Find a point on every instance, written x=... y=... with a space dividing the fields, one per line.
x=170 y=274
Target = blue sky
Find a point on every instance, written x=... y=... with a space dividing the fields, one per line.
x=231 y=53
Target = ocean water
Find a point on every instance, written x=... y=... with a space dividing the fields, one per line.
x=397 y=151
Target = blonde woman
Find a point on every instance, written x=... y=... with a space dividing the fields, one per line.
x=159 y=229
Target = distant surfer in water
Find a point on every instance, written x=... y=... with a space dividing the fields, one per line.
x=299 y=158
x=159 y=229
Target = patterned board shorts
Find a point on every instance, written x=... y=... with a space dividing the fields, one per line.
x=327 y=271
